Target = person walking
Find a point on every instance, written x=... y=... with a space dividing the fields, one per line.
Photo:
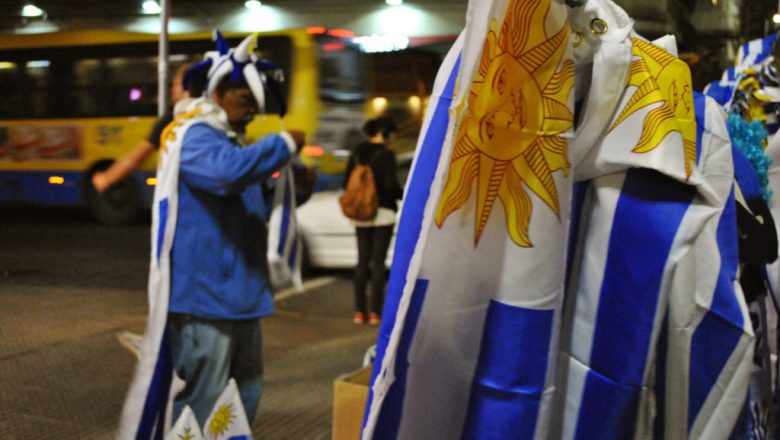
x=102 y=180
x=373 y=236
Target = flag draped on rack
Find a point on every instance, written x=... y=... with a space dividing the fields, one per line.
x=536 y=289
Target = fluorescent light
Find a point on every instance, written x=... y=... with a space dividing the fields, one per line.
x=37 y=64
x=30 y=10
x=252 y=4
x=151 y=7
x=394 y=2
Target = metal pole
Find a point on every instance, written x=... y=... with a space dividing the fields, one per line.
x=163 y=93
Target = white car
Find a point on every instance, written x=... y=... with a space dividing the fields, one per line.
x=329 y=239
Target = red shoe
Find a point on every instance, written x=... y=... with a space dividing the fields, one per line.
x=374 y=319
x=360 y=318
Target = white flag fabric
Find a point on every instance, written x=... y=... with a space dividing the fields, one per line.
x=186 y=428
x=285 y=250
x=506 y=215
x=228 y=419
x=472 y=348
x=146 y=405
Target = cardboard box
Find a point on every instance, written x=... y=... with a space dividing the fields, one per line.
x=350 y=393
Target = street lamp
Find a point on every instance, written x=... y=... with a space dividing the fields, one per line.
x=151 y=7
x=31 y=11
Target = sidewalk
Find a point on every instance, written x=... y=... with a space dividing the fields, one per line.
x=63 y=374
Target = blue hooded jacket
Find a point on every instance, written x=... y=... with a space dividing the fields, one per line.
x=219 y=267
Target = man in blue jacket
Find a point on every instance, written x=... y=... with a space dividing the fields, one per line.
x=219 y=274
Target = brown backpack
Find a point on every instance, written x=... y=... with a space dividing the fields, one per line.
x=360 y=201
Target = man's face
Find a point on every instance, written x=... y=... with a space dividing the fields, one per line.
x=240 y=106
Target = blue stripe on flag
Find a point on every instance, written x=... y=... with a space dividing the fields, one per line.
x=161 y=226
x=508 y=384
x=410 y=224
x=766 y=48
x=153 y=416
x=390 y=417
x=719 y=332
x=700 y=108
x=647 y=216
x=285 y=216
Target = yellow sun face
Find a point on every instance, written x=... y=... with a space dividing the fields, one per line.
x=222 y=419
x=168 y=133
x=661 y=78
x=509 y=138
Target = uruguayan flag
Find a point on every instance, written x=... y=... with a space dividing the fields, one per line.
x=755 y=51
x=186 y=428
x=749 y=54
x=490 y=239
x=477 y=279
x=284 y=239
x=146 y=414
x=653 y=197
x=228 y=419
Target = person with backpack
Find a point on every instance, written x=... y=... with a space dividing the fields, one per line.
x=369 y=200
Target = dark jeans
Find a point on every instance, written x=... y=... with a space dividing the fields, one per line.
x=372 y=251
x=207 y=353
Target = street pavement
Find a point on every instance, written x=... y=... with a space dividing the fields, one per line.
x=64 y=374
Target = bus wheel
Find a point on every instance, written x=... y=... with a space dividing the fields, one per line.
x=120 y=204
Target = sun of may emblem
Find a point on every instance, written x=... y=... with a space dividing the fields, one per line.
x=221 y=421
x=661 y=78
x=510 y=134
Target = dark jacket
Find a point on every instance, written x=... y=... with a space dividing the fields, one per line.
x=383 y=164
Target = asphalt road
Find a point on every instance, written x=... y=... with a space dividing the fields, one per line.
x=69 y=287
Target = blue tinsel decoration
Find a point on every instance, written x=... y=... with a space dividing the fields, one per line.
x=749 y=138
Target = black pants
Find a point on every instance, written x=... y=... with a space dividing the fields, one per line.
x=372 y=251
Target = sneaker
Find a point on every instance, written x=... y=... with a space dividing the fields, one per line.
x=360 y=318
x=374 y=319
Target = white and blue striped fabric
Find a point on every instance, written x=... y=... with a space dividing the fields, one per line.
x=749 y=54
x=755 y=51
x=622 y=320
x=285 y=250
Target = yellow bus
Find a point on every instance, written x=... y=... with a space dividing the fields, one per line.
x=72 y=102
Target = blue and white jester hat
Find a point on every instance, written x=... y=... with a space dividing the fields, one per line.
x=240 y=64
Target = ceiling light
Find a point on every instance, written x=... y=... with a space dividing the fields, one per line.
x=252 y=4
x=30 y=10
x=394 y=2
x=151 y=7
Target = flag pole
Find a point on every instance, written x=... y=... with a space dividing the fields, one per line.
x=163 y=101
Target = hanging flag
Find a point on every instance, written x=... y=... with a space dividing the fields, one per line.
x=228 y=419
x=653 y=187
x=476 y=279
x=755 y=51
x=186 y=428
x=284 y=238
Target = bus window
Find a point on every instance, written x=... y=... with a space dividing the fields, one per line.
x=342 y=78
x=74 y=101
